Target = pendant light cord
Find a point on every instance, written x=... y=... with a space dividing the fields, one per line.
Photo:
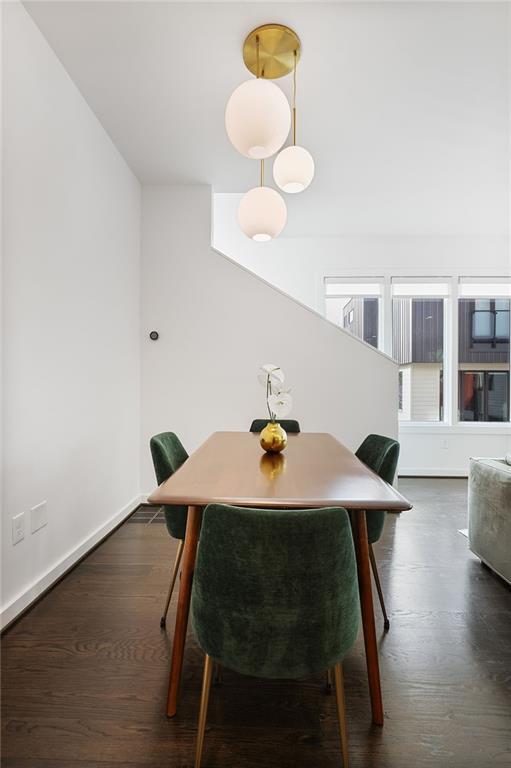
x=261 y=171
x=294 y=100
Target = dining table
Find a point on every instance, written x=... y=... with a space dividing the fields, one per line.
x=315 y=470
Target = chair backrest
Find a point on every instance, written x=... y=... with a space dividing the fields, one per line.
x=289 y=425
x=168 y=455
x=380 y=454
x=275 y=592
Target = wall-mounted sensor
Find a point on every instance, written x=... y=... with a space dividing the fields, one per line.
x=154 y=335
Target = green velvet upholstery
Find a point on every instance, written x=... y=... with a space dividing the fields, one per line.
x=380 y=454
x=275 y=592
x=289 y=425
x=168 y=455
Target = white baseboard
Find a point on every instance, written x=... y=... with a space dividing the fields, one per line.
x=20 y=603
x=433 y=472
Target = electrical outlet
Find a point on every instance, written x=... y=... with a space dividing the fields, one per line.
x=38 y=517
x=18 y=528
x=445 y=444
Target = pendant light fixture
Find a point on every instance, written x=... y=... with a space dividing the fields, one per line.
x=293 y=169
x=258 y=121
x=262 y=212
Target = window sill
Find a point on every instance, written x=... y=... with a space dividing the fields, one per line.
x=460 y=428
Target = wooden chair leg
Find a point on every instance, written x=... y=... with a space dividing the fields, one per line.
x=341 y=712
x=206 y=687
x=328 y=683
x=218 y=675
x=386 y=622
x=175 y=571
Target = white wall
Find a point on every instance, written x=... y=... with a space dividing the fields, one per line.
x=71 y=318
x=218 y=323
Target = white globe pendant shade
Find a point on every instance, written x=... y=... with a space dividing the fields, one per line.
x=293 y=169
x=262 y=214
x=257 y=119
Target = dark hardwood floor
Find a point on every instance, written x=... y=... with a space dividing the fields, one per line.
x=85 y=671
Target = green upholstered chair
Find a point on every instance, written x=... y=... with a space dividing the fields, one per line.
x=380 y=454
x=289 y=425
x=275 y=595
x=168 y=455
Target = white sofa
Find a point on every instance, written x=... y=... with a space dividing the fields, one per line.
x=489 y=514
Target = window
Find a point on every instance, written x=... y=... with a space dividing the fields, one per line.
x=490 y=321
x=442 y=379
x=483 y=352
x=355 y=306
x=418 y=346
x=484 y=395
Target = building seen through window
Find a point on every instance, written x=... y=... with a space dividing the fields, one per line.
x=450 y=339
x=418 y=347
x=355 y=307
x=483 y=359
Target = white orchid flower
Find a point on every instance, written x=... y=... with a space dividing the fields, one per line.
x=280 y=405
x=275 y=373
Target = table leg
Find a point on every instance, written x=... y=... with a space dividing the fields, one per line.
x=183 y=606
x=368 y=623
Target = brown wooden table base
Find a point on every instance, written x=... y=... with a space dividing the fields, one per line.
x=359 y=524
x=183 y=606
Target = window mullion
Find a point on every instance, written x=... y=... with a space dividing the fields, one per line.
x=451 y=358
x=387 y=317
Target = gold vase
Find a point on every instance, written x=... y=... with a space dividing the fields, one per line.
x=273 y=438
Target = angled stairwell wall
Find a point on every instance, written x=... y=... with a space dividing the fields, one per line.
x=218 y=323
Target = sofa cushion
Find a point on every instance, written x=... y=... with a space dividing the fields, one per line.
x=501 y=465
x=489 y=513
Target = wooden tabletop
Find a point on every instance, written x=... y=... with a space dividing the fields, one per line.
x=315 y=470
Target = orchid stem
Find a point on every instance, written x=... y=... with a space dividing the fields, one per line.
x=268 y=392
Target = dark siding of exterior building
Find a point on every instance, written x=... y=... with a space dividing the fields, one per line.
x=418 y=330
x=428 y=330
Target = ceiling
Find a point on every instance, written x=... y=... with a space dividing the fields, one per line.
x=404 y=106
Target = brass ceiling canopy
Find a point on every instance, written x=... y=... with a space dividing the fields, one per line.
x=269 y=51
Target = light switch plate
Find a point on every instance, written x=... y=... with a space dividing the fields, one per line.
x=38 y=517
x=18 y=528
